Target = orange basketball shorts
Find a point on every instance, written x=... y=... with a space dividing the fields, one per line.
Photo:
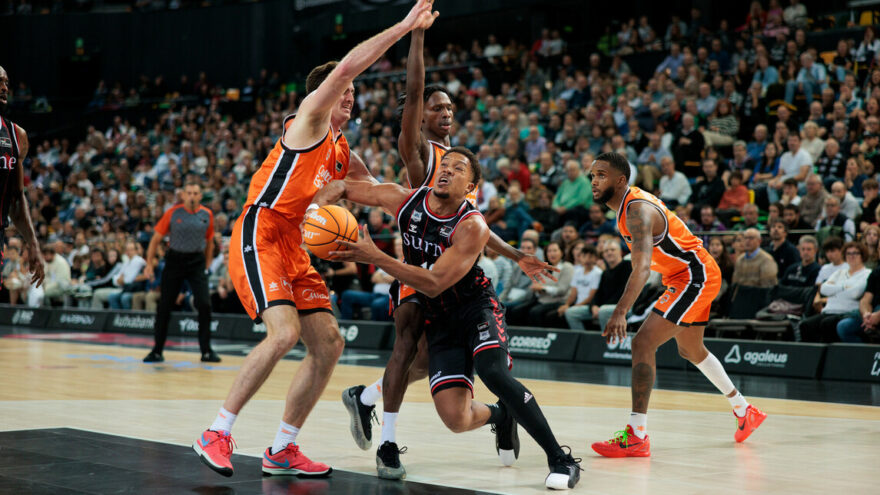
x=268 y=266
x=689 y=294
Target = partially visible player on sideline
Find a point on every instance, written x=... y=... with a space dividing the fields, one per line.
x=660 y=241
x=443 y=237
x=272 y=273
x=13 y=199
x=426 y=119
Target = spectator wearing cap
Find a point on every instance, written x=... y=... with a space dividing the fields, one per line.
x=803 y=274
x=674 y=186
x=834 y=223
x=783 y=251
x=755 y=267
x=814 y=200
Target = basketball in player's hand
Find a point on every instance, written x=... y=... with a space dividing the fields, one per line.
x=327 y=225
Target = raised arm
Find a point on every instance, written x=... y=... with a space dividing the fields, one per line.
x=412 y=144
x=21 y=214
x=470 y=237
x=315 y=108
x=640 y=221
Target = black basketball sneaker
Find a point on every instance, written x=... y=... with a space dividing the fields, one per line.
x=565 y=472
x=361 y=416
x=388 y=462
x=506 y=441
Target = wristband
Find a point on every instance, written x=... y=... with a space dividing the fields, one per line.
x=313 y=206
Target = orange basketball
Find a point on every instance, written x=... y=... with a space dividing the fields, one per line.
x=326 y=226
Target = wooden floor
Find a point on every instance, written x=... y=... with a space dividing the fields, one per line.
x=804 y=447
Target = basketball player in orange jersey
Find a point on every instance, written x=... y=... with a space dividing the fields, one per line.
x=443 y=237
x=13 y=196
x=660 y=241
x=272 y=273
x=424 y=139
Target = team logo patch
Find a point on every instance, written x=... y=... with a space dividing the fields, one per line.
x=417 y=216
x=413 y=228
x=5 y=142
x=483 y=328
x=338 y=167
x=445 y=231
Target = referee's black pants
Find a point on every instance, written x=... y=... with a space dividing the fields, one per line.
x=191 y=268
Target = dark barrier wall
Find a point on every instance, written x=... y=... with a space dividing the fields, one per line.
x=835 y=361
x=852 y=362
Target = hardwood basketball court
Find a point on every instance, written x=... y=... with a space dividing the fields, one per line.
x=72 y=398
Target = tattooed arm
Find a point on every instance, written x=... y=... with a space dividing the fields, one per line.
x=640 y=220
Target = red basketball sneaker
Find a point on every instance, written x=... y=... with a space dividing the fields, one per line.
x=625 y=443
x=748 y=423
x=215 y=450
x=291 y=461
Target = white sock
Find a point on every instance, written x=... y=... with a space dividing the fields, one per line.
x=286 y=435
x=639 y=423
x=372 y=394
x=389 y=427
x=223 y=421
x=739 y=404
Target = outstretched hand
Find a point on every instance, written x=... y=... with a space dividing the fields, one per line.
x=536 y=269
x=362 y=251
x=421 y=16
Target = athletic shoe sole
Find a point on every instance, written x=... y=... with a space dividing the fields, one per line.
x=357 y=429
x=558 y=481
x=268 y=471
x=389 y=473
x=225 y=471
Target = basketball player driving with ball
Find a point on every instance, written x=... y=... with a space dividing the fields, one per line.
x=443 y=237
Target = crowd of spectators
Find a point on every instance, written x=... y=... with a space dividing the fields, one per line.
x=765 y=146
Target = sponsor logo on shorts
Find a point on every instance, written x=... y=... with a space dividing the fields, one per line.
x=527 y=398
x=312 y=294
x=436 y=375
x=274 y=286
x=484 y=335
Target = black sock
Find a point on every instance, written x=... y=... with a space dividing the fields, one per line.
x=519 y=402
x=497 y=413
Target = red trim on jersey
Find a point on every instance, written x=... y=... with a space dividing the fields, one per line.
x=466 y=215
x=428 y=207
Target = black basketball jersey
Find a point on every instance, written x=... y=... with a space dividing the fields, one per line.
x=425 y=237
x=9 y=155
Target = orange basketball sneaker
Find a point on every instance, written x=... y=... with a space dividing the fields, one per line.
x=625 y=443
x=215 y=450
x=748 y=423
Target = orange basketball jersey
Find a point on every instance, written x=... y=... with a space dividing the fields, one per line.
x=437 y=152
x=289 y=178
x=676 y=250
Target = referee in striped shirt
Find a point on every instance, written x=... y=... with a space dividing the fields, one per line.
x=190 y=229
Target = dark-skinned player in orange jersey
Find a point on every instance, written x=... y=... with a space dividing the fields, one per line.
x=660 y=241
x=443 y=237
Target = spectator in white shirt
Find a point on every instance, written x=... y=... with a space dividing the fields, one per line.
x=674 y=186
x=844 y=290
x=795 y=164
x=584 y=284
